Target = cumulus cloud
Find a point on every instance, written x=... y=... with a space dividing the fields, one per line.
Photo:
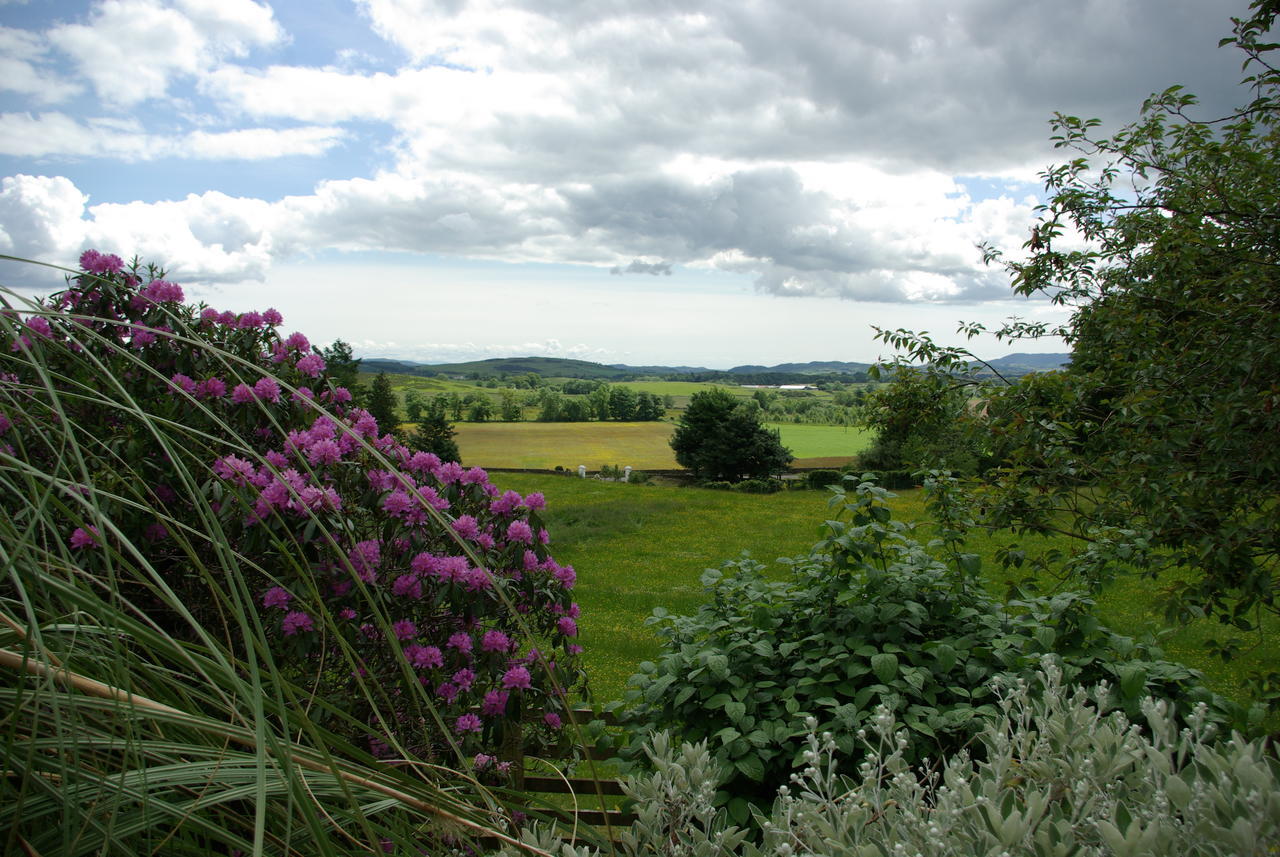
x=812 y=147
x=41 y=216
x=130 y=50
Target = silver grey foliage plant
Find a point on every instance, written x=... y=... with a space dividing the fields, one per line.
x=1056 y=775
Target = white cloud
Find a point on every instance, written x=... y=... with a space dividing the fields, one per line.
x=25 y=69
x=41 y=217
x=57 y=134
x=258 y=143
x=130 y=50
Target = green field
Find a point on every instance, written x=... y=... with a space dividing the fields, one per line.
x=806 y=441
x=637 y=547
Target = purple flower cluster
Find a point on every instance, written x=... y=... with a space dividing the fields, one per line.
x=412 y=565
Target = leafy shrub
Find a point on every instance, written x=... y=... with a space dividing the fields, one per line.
x=717 y=486
x=419 y=599
x=1053 y=773
x=822 y=478
x=759 y=486
x=869 y=618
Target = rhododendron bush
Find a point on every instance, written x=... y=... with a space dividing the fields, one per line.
x=417 y=600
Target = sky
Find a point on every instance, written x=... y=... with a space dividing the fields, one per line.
x=673 y=182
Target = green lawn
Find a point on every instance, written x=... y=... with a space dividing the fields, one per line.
x=637 y=547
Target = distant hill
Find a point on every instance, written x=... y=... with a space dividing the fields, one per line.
x=1022 y=364
x=817 y=367
x=548 y=367
x=559 y=367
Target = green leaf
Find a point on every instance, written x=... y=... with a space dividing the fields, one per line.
x=944 y=657
x=885 y=666
x=735 y=710
x=728 y=735
x=751 y=767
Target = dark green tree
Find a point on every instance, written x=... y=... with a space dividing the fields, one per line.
x=480 y=410
x=552 y=404
x=1161 y=444
x=342 y=367
x=649 y=407
x=719 y=440
x=622 y=403
x=598 y=401
x=413 y=405
x=509 y=410
x=434 y=433
x=382 y=403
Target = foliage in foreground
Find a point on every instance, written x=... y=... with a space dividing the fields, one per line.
x=225 y=592
x=1056 y=773
x=871 y=618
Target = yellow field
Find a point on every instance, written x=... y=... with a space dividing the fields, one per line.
x=546 y=445
x=644 y=446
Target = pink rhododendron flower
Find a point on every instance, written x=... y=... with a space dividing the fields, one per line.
x=407 y=586
x=39 y=325
x=83 y=537
x=468 y=723
x=495 y=641
x=506 y=504
x=162 y=290
x=276 y=596
x=535 y=501
x=567 y=576
x=517 y=678
x=404 y=629
x=311 y=365
x=297 y=341
x=183 y=383
x=267 y=388
x=324 y=452
x=460 y=641
x=272 y=316
x=98 y=263
x=423 y=657
x=552 y=719
x=211 y=388
x=520 y=532
x=495 y=703
x=242 y=394
x=466 y=527
x=296 y=622
x=567 y=626
x=464 y=678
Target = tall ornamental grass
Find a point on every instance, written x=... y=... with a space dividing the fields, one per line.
x=235 y=616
